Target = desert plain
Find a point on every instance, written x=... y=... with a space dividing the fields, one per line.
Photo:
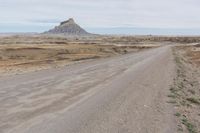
x=101 y=84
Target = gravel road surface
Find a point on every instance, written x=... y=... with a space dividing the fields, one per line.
x=123 y=94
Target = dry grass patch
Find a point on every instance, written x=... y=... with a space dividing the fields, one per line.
x=23 y=53
x=186 y=90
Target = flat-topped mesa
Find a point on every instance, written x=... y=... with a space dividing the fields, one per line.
x=70 y=21
x=68 y=27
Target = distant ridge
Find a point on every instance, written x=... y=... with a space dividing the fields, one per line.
x=68 y=27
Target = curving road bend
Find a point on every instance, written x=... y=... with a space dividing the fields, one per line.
x=124 y=94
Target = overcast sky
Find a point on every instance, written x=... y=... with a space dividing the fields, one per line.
x=38 y=15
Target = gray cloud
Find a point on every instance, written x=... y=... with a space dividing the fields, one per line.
x=104 y=13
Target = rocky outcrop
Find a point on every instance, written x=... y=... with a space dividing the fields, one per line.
x=68 y=27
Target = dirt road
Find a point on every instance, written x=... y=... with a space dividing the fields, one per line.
x=124 y=94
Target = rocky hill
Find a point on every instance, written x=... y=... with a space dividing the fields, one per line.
x=68 y=27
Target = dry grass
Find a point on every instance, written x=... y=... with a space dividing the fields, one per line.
x=28 y=53
x=185 y=91
x=193 y=52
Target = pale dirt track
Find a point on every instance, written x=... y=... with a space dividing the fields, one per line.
x=124 y=94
